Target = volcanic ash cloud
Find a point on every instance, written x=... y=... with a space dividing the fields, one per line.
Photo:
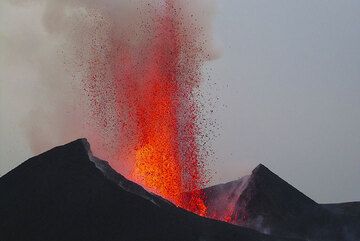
x=122 y=74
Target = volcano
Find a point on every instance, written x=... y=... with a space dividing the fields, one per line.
x=265 y=202
x=68 y=194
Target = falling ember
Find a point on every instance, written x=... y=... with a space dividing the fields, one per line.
x=151 y=94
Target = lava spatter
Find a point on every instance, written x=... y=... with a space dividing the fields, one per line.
x=152 y=103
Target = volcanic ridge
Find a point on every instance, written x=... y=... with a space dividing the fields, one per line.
x=265 y=202
x=68 y=194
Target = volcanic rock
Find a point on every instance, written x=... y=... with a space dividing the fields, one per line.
x=265 y=202
x=67 y=194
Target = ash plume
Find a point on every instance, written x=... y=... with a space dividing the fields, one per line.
x=49 y=47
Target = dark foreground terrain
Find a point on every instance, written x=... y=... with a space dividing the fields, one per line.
x=67 y=194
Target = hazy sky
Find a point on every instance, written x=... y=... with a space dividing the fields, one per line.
x=288 y=83
x=290 y=80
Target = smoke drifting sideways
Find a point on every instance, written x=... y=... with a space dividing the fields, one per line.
x=63 y=60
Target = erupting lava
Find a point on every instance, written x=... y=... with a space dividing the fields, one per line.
x=153 y=86
x=161 y=164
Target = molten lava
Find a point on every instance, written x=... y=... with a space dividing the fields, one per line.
x=141 y=85
x=163 y=114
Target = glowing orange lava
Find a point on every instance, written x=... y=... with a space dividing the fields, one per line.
x=157 y=164
x=164 y=115
x=141 y=83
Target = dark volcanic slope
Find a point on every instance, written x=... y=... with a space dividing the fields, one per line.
x=269 y=204
x=347 y=209
x=62 y=195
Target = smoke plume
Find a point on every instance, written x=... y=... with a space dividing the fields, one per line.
x=48 y=48
x=123 y=74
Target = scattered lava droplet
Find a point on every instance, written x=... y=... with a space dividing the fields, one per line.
x=151 y=93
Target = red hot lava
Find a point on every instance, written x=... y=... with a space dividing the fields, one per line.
x=152 y=88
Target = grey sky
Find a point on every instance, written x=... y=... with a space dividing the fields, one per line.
x=289 y=87
x=290 y=81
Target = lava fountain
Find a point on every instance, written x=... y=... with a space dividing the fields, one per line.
x=152 y=102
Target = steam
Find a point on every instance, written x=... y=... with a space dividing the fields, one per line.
x=258 y=224
x=48 y=47
x=222 y=204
